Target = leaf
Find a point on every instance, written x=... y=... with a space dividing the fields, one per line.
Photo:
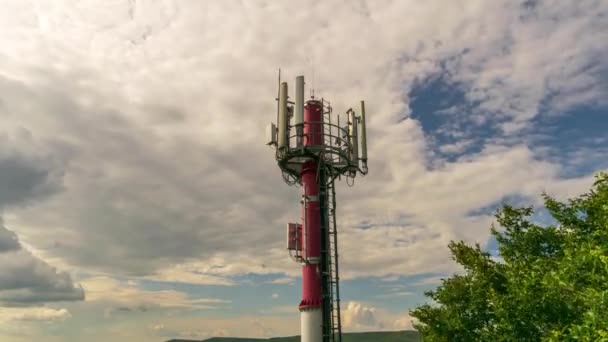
x=552 y=285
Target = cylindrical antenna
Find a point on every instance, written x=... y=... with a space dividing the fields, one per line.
x=354 y=141
x=278 y=95
x=299 y=100
x=312 y=89
x=282 y=122
x=363 y=134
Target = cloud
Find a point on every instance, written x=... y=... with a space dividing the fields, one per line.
x=131 y=140
x=360 y=317
x=391 y=278
x=189 y=273
x=8 y=239
x=29 y=323
x=26 y=175
x=158 y=326
x=458 y=147
x=506 y=78
x=33 y=314
x=127 y=297
x=428 y=281
x=281 y=310
x=243 y=325
x=396 y=294
x=428 y=208
x=405 y=322
x=161 y=109
x=177 y=231
x=283 y=280
x=28 y=280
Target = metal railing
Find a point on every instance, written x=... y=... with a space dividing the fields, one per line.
x=332 y=141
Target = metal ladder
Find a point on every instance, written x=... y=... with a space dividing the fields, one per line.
x=332 y=326
x=334 y=279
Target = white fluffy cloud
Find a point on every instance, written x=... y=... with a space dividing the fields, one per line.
x=21 y=323
x=131 y=140
x=32 y=314
x=361 y=317
x=127 y=297
x=154 y=114
x=405 y=322
x=511 y=77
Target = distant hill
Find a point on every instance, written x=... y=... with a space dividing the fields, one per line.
x=380 y=336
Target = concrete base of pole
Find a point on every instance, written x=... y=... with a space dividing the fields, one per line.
x=311 y=320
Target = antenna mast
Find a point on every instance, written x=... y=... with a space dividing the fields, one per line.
x=313 y=155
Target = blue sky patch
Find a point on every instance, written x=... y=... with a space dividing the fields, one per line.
x=577 y=139
x=446 y=118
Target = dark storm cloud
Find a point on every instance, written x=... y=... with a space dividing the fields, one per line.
x=8 y=239
x=27 y=280
x=28 y=176
x=23 y=180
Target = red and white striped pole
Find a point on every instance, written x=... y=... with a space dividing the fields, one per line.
x=302 y=165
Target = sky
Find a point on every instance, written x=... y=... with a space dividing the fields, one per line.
x=139 y=201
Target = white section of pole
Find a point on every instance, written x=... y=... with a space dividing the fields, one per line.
x=311 y=321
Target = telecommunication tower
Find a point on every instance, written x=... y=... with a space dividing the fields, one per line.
x=313 y=151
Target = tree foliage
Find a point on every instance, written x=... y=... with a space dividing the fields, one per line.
x=552 y=284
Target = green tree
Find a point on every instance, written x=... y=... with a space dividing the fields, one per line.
x=552 y=284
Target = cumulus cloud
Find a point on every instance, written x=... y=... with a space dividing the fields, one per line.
x=33 y=314
x=161 y=107
x=504 y=77
x=28 y=175
x=28 y=280
x=8 y=239
x=405 y=322
x=132 y=138
x=125 y=297
x=360 y=317
x=22 y=323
